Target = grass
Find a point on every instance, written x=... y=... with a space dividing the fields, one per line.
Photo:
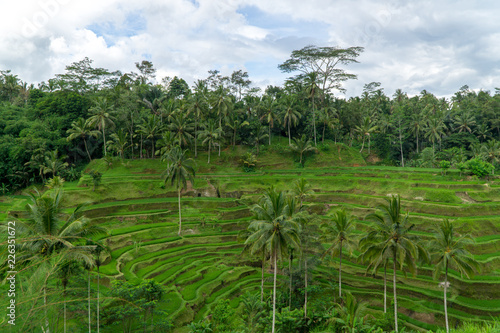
x=204 y=264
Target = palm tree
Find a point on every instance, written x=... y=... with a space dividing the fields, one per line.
x=301 y=189
x=448 y=250
x=434 y=130
x=179 y=170
x=301 y=146
x=198 y=106
x=119 y=142
x=257 y=136
x=340 y=232
x=392 y=237
x=292 y=115
x=182 y=127
x=312 y=90
x=365 y=130
x=236 y=123
x=326 y=117
x=46 y=233
x=53 y=163
x=464 y=121
x=81 y=129
x=491 y=151
x=150 y=130
x=417 y=125
x=210 y=134
x=268 y=105
x=65 y=271
x=102 y=115
x=274 y=229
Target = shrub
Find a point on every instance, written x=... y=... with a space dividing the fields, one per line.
x=444 y=165
x=249 y=162
x=479 y=167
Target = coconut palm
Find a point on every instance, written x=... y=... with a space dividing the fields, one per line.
x=179 y=170
x=53 y=163
x=182 y=127
x=392 y=237
x=273 y=229
x=327 y=119
x=119 y=142
x=448 y=250
x=150 y=130
x=312 y=90
x=198 y=106
x=302 y=146
x=236 y=123
x=464 y=121
x=82 y=129
x=102 y=116
x=210 y=134
x=268 y=105
x=46 y=232
x=301 y=189
x=339 y=231
x=292 y=115
x=417 y=125
x=257 y=136
x=365 y=130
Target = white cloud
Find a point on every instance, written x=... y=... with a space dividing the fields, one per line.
x=437 y=46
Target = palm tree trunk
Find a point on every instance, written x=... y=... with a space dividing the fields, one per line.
x=98 y=299
x=64 y=294
x=363 y=144
x=417 y=142
x=86 y=149
x=395 y=298
x=385 y=288
x=323 y=139
x=340 y=271
x=445 y=301
x=275 y=254
x=269 y=134
x=209 y=144
x=140 y=153
x=262 y=278
x=88 y=287
x=305 y=288
x=290 y=272
x=104 y=138
x=314 y=123
x=195 y=137
x=369 y=143
x=180 y=217
x=289 y=136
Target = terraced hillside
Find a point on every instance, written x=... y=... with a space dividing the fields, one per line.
x=205 y=265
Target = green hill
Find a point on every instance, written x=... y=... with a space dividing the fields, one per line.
x=205 y=264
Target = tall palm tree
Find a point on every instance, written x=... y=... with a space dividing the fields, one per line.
x=179 y=170
x=257 y=136
x=365 y=129
x=182 y=127
x=301 y=146
x=150 y=130
x=46 y=232
x=448 y=250
x=417 y=125
x=81 y=129
x=464 y=121
x=313 y=90
x=434 y=130
x=198 y=106
x=119 y=142
x=102 y=116
x=327 y=119
x=210 y=134
x=268 y=105
x=292 y=115
x=274 y=229
x=236 y=123
x=392 y=236
x=340 y=232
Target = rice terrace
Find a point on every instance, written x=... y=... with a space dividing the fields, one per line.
x=134 y=206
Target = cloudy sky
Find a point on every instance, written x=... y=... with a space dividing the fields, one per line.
x=412 y=45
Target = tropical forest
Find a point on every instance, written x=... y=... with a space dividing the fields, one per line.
x=132 y=202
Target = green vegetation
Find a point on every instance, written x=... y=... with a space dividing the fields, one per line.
x=110 y=254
